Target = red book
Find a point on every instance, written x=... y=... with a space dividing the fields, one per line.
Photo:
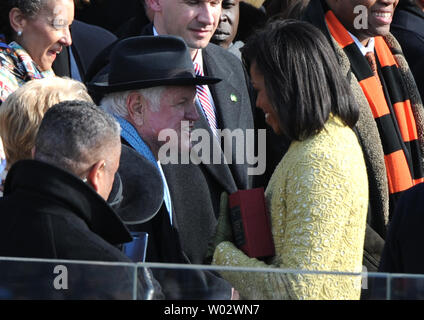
x=250 y=221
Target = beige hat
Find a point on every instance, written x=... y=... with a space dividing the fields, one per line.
x=255 y=3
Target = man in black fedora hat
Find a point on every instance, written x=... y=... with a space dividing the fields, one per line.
x=224 y=105
x=150 y=87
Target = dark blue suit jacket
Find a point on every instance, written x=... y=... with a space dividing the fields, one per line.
x=403 y=248
x=87 y=42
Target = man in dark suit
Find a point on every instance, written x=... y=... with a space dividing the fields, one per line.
x=87 y=42
x=408 y=28
x=54 y=208
x=151 y=87
x=196 y=189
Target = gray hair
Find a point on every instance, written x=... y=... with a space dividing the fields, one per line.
x=116 y=103
x=74 y=135
x=30 y=8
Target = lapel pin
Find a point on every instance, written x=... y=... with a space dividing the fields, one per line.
x=233 y=97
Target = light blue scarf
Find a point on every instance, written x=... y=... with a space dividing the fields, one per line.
x=130 y=134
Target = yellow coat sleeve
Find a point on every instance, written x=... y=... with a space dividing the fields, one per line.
x=318 y=201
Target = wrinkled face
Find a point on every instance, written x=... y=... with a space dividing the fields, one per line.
x=193 y=20
x=262 y=101
x=45 y=35
x=365 y=18
x=110 y=168
x=228 y=23
x=176 y=105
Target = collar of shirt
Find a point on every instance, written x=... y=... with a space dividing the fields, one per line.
x=155 y=33
x=364 y=49
x=166 y=193
x=199 y=59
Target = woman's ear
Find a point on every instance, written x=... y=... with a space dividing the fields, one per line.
x=17 y=20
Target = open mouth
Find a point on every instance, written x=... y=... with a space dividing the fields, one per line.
x=382 y=17
x=55 y=52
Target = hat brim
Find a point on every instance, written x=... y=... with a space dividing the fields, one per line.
x=142 y=188
x=105 y=87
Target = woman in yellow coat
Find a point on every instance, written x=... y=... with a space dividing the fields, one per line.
x=318 y=194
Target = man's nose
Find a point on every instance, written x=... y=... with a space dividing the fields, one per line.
x=192 y=113
x=205 y=15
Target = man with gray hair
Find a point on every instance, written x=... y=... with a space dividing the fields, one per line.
x=151 y=87
x=54 y=206
x=83 y=141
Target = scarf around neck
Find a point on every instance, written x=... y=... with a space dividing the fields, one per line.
x=16 y=68
x=390 y=105
x=130 y=134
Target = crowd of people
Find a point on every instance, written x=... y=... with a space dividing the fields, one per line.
x=90 y=98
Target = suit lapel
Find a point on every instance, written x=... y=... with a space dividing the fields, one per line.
x=226 y=97
x=228 y=103
x=220 y=171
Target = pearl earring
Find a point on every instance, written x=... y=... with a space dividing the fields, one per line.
x=19 y=33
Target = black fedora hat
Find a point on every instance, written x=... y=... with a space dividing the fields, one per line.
x=137 y=191
x=149 y=61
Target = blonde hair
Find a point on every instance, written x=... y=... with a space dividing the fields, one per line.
x=22 y=112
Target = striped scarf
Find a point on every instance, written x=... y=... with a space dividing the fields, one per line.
x=391 y=107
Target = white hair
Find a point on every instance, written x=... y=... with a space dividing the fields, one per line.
x=116 y=103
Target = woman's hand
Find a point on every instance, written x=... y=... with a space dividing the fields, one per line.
x=224 y=230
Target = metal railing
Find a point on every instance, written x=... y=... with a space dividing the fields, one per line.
x=22 y=278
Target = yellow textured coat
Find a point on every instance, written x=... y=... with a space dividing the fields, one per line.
x=318 y=200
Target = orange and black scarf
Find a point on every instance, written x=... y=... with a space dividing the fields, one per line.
x=390 y=105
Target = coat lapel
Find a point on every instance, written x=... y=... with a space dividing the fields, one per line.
x=368 y=136
x=411 y=88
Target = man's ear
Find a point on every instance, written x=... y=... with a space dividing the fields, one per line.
x=17 y=19
x=135 y=107
x=95 y=176
x=154 y=5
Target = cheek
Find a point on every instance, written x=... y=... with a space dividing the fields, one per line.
x=263 y=102
x=177 y=118
x=217 y=16
x=172 y=121
x=46 y=40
